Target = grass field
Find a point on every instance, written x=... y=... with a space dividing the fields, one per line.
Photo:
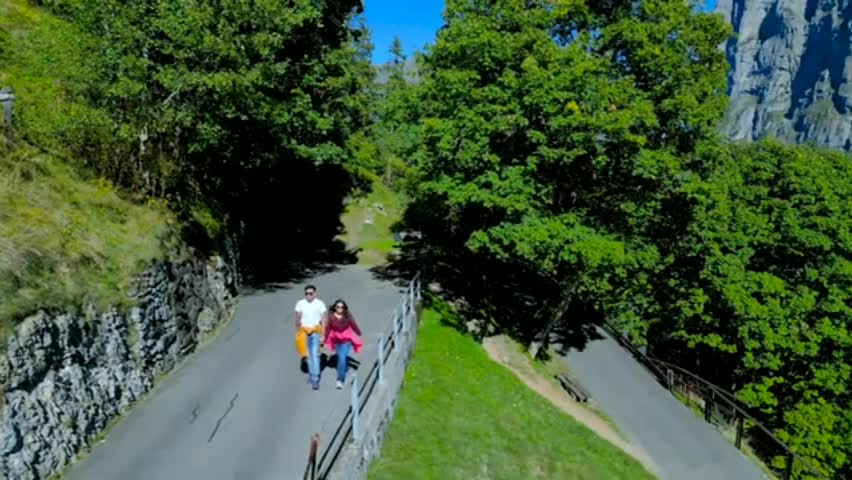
x=462 y=416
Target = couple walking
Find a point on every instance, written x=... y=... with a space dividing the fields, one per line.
x=336 y=328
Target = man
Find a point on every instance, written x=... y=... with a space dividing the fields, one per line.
x=311 y=318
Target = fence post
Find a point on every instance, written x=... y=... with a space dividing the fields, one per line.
x=670 y=375
x=739 y=440
x=7 y=98
x=311 y=469
x=708 y=406
x=381 y=359
x=356 y=434
x=404 y=314
x=788 y=472
x=395 y=330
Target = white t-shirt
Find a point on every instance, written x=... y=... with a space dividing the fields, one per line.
x=311 y=311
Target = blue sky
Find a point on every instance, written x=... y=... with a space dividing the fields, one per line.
x=414 y=21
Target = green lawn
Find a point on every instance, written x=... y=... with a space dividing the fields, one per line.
x=462 y=416
x=374 y=239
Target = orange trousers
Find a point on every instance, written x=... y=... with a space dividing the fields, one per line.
x=302 y=339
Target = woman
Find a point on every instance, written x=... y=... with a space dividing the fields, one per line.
x=342 y=334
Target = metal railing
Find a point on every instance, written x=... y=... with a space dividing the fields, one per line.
x=728 y=414
x=391 y=345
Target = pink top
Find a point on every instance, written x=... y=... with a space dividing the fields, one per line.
x=341 y=331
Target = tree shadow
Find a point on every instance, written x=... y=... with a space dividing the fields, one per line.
x=480 y=296
x=571 y=335
x=400 y=268
x=288 y=222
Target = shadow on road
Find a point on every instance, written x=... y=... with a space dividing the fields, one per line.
x=574 y=336
x=287 y=223
x=490 y=296
x=329 y=361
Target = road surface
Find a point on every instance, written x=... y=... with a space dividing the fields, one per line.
x=682 y=445
x=241 y=407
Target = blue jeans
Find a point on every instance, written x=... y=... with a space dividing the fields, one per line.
x=313 y=357
x=342 y=350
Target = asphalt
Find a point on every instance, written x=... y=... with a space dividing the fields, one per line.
x=240 y=408
x=683 y=446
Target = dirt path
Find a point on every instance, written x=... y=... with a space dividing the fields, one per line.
x=503 y=351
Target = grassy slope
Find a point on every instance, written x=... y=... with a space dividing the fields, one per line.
x=463 y=416
x=64 y=241
x=375 y=240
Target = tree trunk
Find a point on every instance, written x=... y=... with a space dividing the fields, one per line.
x=555 y=318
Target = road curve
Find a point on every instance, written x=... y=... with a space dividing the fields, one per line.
x=240 y=408
x=682 y=446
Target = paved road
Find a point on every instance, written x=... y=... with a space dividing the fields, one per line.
x=241 y=408
x=682 y=445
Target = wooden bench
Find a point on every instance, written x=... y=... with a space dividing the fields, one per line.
x=577 y=392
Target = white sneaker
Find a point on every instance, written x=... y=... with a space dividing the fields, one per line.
x=339 y=384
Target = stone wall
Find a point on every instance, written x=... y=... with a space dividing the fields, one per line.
x=64 y=377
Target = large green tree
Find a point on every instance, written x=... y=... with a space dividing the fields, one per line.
x=763 y=291
x=556 y=135
x=213 y=85
x=233 y=109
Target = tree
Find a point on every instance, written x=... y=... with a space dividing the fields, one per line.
x=258 y=78
x=396 y=51
x=557 y=133
x=218 y=105
x=764 y=292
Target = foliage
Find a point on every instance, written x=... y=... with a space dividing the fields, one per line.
x=488 y=423
x=216 y=105
x=554 y=138
x=383 y=148
x=49 y=66
x=764 y=291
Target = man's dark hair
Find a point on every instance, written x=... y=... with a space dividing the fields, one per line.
x=310 y=287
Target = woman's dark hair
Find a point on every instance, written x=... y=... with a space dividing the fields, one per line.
x=337 y=302
x=347 y=315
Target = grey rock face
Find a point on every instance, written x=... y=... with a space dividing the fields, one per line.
x=64 y=377
x=791 y=71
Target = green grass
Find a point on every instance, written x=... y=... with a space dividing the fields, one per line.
x=461 y=415
x=66 y=242
x=375 y=240
x=66 y=239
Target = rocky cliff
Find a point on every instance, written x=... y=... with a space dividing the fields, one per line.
x=791 y=70
x=64 y=377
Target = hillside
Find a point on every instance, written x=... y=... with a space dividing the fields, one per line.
x=65 y=240
x=409 y=69
x=791 y=71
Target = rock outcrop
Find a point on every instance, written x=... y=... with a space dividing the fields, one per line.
x=791 y=71
x=64 y=377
